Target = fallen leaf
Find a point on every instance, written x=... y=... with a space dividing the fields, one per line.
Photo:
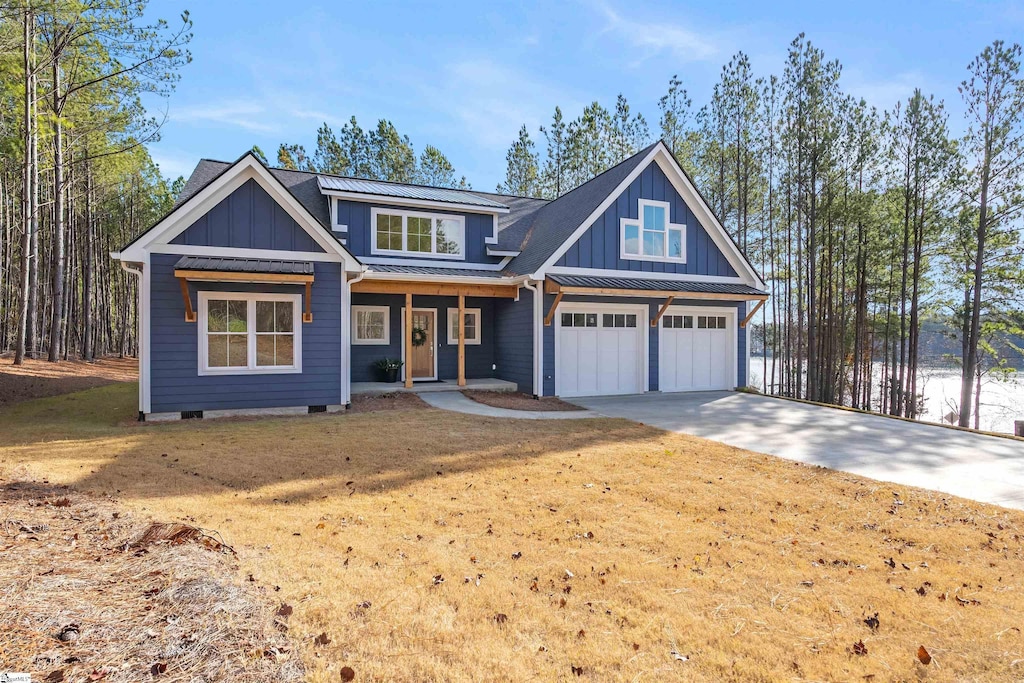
x=285 y=611
x=348 y=674
x=55 y=676
x=322 y=639
x=500 y=618
x=576 y=670
x=516 y=555
x=923 y=656
x=872 y=622
x=438 y=580
x=158 y=668
x=859 y=648
x=97 y=675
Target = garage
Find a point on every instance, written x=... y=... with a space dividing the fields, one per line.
x=697 y=350
x=601 y=349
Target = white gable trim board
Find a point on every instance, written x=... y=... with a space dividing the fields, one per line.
x=660 y=155
x=247 y=168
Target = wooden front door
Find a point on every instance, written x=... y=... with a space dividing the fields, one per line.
x=422 y=362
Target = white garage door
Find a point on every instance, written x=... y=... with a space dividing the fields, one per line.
x=600 y=351
x=696 y=351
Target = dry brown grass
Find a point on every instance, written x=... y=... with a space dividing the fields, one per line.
x=38 y=378
x=436 y=546
x=87 y=590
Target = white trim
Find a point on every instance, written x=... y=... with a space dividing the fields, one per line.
x=732 y=326
x=661 y=155
x=346 y=375
x=405 y=363
x=410 y=201
x=450 y=279
x=502 y=252
x=639 y=223
x=470 y=341
x=538 y=335
x=462 y=265
x=642 y=323
x=146 y=343
x=356 y=340
x=245 y=169
x=332 y=206
x=645 y=275
x=250 y=298
x=239 y=252
x=406 y=215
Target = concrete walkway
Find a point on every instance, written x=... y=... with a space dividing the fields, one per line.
x=458 y=403
x=985 y=468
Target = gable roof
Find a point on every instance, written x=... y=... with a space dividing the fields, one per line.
x=555 y=222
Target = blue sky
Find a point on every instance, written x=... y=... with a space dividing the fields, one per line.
x=463 y=76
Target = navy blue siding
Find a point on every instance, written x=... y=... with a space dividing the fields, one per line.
x=479 y=357
x=653 y=335
x=598 y=247
x=176 y=384
x=514 y=347
x=248 y=218
x=356 y=215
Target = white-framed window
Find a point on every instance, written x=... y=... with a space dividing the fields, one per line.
x=249 y=333
x=472 y=325
x=371 y=325
x=414 y=233
x=651 y=237
x=336 y=224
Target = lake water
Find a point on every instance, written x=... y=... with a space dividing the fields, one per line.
x=1002 y=402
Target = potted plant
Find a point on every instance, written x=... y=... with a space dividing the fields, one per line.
x=387 y=369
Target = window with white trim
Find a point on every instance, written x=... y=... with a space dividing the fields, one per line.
x=241 y=333
x=472 y=325
x=371 y=325
x=413 y=233
x=650 y=236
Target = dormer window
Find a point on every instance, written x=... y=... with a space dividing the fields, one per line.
x=413 y=233
x=651 y=237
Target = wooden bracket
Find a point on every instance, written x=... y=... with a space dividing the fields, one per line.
x=551 y=314
x=661 y=311
x=750 y=315
x=307 y=317
x=190 y=313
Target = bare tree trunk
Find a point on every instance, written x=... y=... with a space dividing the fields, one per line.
x=56 y=315
x=26 y=200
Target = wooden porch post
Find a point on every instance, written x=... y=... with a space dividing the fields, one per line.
x=462 y=339
x=408 y=340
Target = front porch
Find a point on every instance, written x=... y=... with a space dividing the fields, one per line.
x=378 y=388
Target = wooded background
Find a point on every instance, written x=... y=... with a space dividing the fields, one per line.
x=867 y=225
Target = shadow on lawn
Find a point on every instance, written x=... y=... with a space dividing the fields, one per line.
x=301 y=459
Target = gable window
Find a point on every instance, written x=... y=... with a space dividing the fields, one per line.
x=244 y=333
x=370 y=325
x=650 y=236
x=472 y=325
x=416 y=233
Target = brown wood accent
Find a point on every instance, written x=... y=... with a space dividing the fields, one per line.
x=551 y=314
x=307 y=317
x=713 y=296
x=462 y=339
x=661 y=311
x=754 y=310
x=421 y=361
x=433 y=288
x=231 y=276
x=551 y=287
x=190 y=314
x=408 y=340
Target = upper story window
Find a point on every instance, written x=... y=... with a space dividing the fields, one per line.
x=651 y=237
x=417 y=234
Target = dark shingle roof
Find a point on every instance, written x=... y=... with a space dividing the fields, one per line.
x=656 y=285
x=555 y=222
x=438 y=270
x=244 y=265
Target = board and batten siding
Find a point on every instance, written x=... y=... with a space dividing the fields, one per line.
x=599 y=245
x=653 y=305
x=248 y=218
x=175 y=381
x=356 y=215
x=513 y=327
x=479 y=357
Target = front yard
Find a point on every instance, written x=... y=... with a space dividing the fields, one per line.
x=426 y=545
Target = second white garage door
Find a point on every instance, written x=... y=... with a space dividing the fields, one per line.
x=600 y=350
x=697 y=350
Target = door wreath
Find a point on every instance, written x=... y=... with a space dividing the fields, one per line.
x=419 y=336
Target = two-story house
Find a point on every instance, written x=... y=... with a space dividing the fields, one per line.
x=273 y=290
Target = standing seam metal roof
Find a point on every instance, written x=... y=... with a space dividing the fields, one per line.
x=697 y=287
x=387 y=189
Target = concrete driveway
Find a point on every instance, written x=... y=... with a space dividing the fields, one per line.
x=985 y=468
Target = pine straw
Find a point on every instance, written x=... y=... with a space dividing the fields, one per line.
x=129 y=597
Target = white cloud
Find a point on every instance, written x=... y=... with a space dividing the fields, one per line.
x=651 y=38
x=244 y=114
